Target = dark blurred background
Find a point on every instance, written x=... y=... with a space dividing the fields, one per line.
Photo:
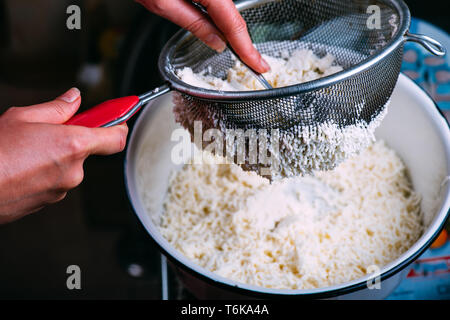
x=114 y=54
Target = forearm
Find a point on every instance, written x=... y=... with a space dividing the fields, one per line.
x=228 y=26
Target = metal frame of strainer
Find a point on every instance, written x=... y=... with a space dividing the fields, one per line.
x=228 y=96
x=119 y=110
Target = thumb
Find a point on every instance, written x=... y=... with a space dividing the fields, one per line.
x=57 y=111
x=107 y=141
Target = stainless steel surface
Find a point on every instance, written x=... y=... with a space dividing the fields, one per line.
x=143 y=99
x=146 y=97
x=164 y=279
x=428 y=43
x=371 y=59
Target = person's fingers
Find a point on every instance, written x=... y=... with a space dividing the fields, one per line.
x=188 y=17
x=57 y=111
x=106 y=141
x=228 y=19
x=225 y=16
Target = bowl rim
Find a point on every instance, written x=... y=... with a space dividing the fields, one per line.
x=209 y=277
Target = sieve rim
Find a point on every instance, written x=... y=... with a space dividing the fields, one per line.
x=168 y=71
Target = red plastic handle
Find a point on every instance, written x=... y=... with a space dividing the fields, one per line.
x=104 y=113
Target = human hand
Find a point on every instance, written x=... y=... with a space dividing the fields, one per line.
x=41 y=159
x=225 y=16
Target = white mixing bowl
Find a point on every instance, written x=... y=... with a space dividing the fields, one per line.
x=414 y=128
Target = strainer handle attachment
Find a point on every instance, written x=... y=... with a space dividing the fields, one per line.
x=433 y=46
x=115 y=111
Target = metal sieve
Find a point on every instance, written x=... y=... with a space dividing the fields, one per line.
x=370 y=51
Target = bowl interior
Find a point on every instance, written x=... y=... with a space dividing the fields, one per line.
x=413 y=128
